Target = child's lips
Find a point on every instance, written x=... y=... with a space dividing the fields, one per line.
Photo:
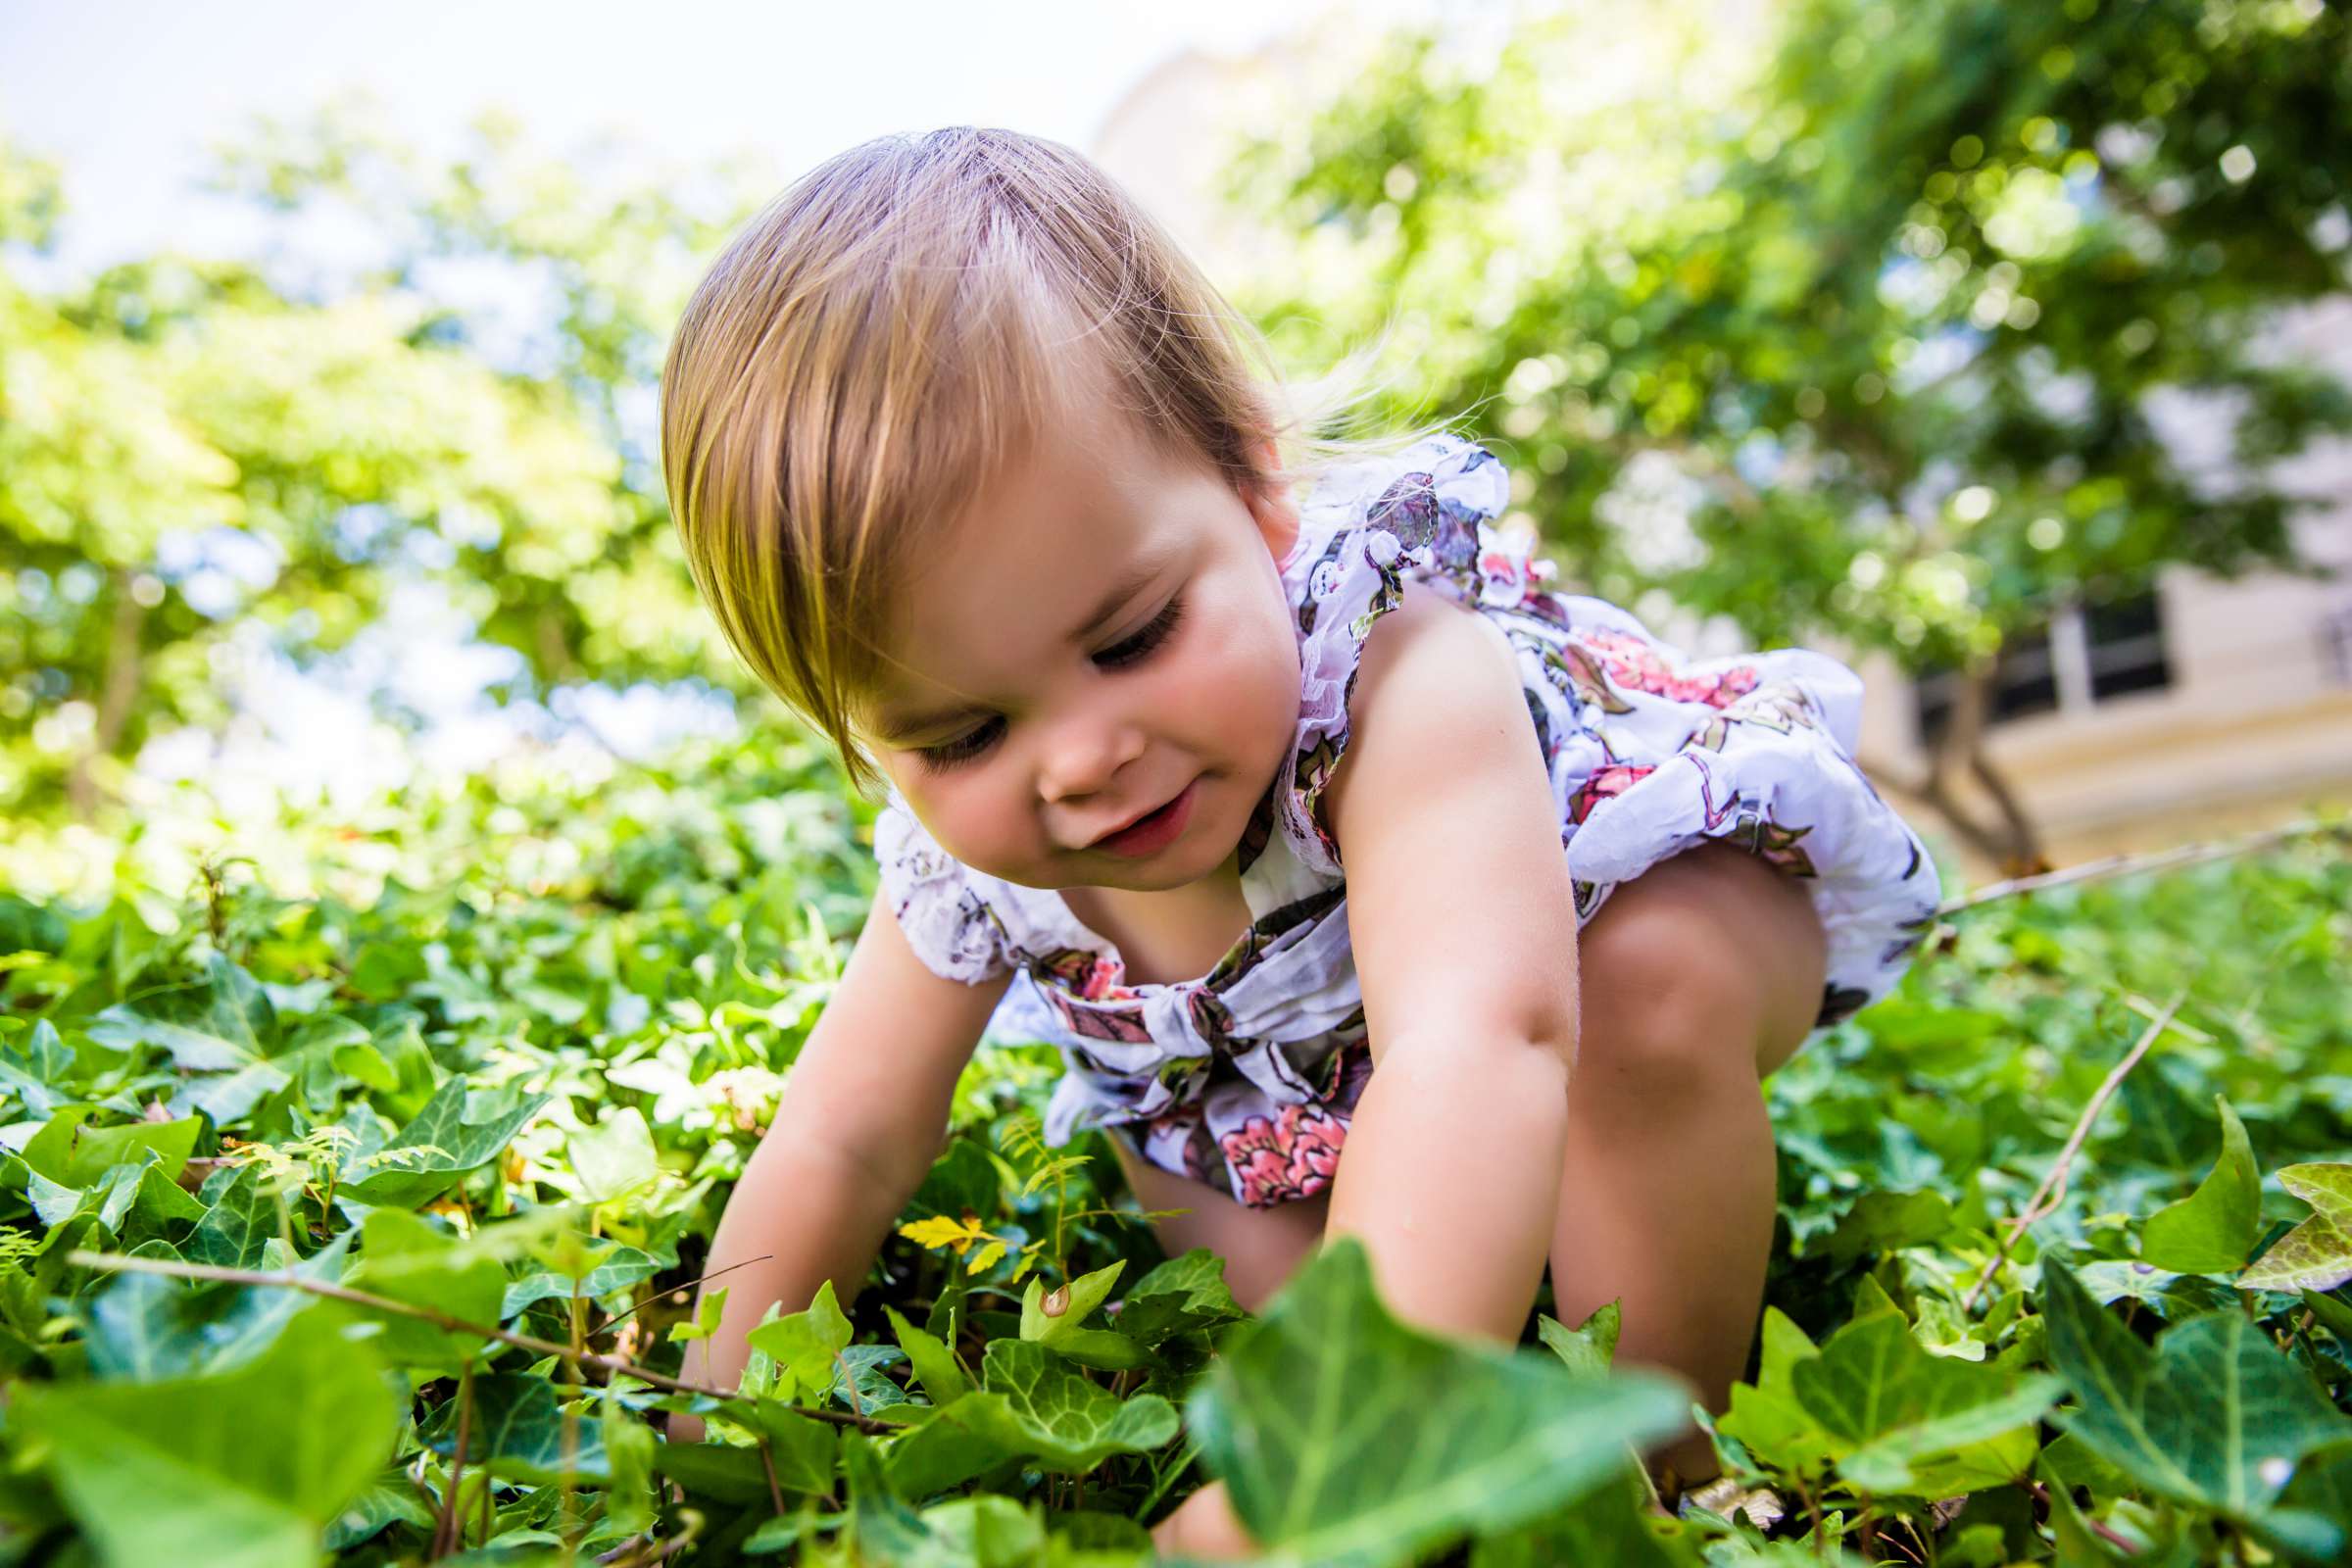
x=1153 y=831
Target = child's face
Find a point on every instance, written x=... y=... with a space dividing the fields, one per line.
x=1102 y=638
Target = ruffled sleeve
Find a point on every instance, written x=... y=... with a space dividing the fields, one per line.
x=1426 y=515
x=949 y=923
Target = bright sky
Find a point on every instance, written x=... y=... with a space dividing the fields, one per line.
x=127 y=93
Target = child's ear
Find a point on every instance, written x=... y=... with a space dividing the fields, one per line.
x=1271 y=503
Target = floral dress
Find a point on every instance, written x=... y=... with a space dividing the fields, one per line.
x=1246 y=1078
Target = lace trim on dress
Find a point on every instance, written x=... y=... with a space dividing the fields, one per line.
x=950 y=925
x=1430 y=521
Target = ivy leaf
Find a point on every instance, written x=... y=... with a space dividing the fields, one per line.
x=517 y=1431
x=942 y=1454
x=803 y=1451
x=805 y=1345
x=1604 y=1527
x=1350 y=1438
x=1034 y=1404
x=2211 y=1229
x=705 y=1323
x=859 y=1367
x=1101 y=1348
x=1052 y=1316
x=713 y=1470
x=1882 y=1223
x=1888 y=1405
x=240 y=1469
x=146 y=1326
x=243 y=1219
x=615 y=1157
x=882 y=1529
x=629 y=1449
x=2317 y=1255
x=222 y=1034
x=404 y=1257
x=1182 y=1295
x=229 y=1096
x=2313 y=1517
x=425 y=1157
x=1587 y=1351
x=2215 y=1416
x=34 y=1069
x=1767 y=1417
x=72 y=1153
x=619 y=1269
x=935 y=1366
x=390 y=1499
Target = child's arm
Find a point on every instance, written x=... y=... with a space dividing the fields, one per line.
x=1463 y=922
x=863 y=1113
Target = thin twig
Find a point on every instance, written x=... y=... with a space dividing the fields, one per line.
x=2124 y=864
x=448 y=1531
x=2052 y=1191
x=688 y=1286
x=768 y=1462
x=623 y=1556
x=454 y=1325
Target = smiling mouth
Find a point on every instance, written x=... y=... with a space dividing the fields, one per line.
x=1151 y=831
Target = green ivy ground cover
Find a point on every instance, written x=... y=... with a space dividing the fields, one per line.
x=470 y=1091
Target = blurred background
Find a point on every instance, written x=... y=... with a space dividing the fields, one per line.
x=2001 y=347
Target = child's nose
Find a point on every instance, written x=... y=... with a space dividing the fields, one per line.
x=1082 y=758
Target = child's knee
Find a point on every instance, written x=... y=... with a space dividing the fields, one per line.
x=1685 y=977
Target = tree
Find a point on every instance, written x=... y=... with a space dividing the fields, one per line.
x=1886 y=323
x=194 y=450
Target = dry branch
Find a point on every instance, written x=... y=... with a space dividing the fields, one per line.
x=609 y=1365
x=2114 y=866
x=2052 y=1191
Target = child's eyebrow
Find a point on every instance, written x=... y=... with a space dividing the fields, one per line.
x=1138 y=576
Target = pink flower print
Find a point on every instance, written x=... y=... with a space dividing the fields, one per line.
x=1293 y=1155
x=1101 y=979
x=1604 y=784
x=1089 y=976
x=1637 y=665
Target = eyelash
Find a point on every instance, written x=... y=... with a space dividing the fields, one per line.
x=1118 y=655
x=1139 y=647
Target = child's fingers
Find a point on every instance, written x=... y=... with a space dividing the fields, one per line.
x=1204 y=1525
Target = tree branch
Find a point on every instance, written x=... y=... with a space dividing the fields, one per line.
x=455 y=1325
x=2052 y=1191
x=2115 y=865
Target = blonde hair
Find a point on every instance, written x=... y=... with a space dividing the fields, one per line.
x=876 y=340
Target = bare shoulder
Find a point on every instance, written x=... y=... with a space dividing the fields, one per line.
x=1437 y=689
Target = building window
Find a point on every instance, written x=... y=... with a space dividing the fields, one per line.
x=2125 y=644
x=2082 y=656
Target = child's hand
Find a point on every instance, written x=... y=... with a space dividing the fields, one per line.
x=1204 y=1525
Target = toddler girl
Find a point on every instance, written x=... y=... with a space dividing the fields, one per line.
x=1275 y=796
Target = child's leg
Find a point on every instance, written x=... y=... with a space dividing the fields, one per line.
x=1697 y=978
x=1261 y=1247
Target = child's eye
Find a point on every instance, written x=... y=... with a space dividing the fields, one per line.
x=964 y=746
x=1136 y=649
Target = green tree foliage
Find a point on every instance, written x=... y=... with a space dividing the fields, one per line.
x=1884 y=315
x=191 y=451
x=496 y=1069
